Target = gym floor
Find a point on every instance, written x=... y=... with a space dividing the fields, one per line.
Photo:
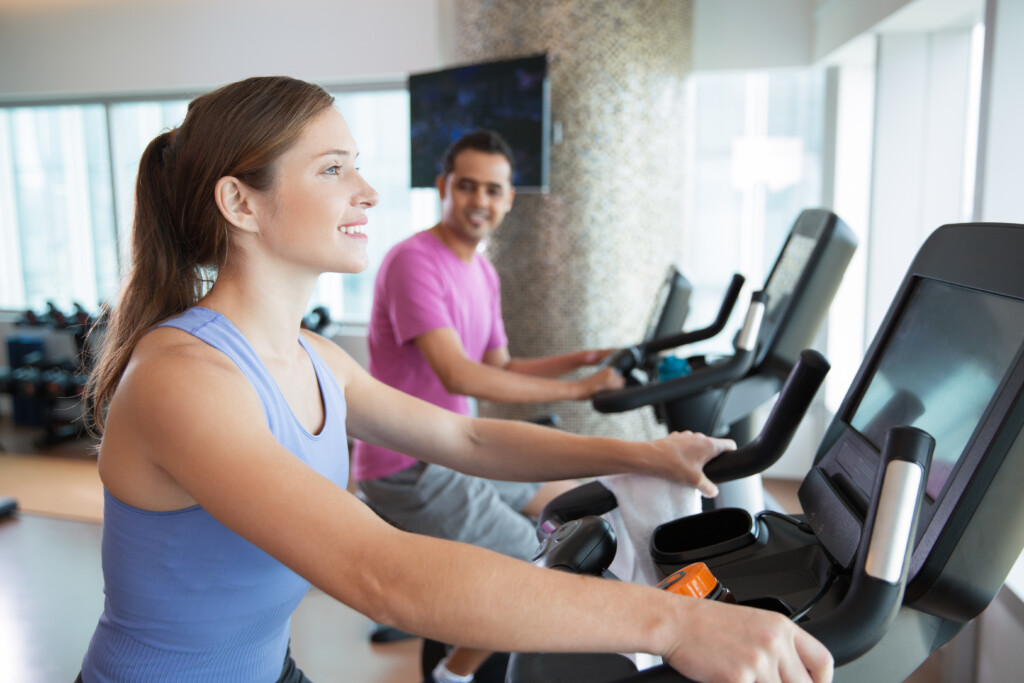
x=51 y=594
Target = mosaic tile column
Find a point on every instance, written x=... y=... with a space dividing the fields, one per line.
x=580 y=265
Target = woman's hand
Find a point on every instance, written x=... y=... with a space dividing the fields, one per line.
x=748 y=646
x=684 y=455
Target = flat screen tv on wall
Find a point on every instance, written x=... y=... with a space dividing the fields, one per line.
x=510 y=96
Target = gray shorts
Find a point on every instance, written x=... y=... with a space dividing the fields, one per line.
x=440 y=502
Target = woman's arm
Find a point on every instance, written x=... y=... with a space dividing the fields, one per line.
x=507 y=449
x=201 y=424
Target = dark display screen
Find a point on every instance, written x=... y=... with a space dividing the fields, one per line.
x=940 y=369
x=785 y=276
x=509 y=96
x=671 y=304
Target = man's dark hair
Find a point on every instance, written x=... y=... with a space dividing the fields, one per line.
x=482 y=141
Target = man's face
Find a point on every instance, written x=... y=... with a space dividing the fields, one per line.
x=476 y=195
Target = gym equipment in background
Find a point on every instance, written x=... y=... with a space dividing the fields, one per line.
x=50 y=358
x=8 y=506
x=317 y=320
x=912 y=516
x=718 y=396
x=668 y=314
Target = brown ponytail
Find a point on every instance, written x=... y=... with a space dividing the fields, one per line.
x=179 y=237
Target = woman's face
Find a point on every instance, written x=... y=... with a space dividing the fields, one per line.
x=314 y=214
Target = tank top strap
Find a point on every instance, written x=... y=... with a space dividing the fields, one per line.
x=220 y=333
x=329 y=387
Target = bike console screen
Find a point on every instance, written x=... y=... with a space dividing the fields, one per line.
x=940 y=369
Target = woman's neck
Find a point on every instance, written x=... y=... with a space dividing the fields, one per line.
x=267 y=310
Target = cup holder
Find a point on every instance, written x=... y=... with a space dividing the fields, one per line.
x=702 y=536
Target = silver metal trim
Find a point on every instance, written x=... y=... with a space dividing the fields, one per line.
x=890 y=537
x=747 y=337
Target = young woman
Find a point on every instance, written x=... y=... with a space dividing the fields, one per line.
x=224 y=426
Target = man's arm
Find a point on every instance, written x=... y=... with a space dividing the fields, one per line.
x=548 y=366
x=493 y=381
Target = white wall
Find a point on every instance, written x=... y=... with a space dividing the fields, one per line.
x=1001 y=140
x=838 y=22
x=922 y=85
x=744 y=34
x=190 y=45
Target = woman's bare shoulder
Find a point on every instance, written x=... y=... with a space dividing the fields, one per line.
x=171 y=349
x=176 y=398
x=170 y=367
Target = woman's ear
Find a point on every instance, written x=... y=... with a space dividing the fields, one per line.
x=236 y=203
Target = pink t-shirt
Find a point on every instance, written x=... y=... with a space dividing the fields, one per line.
x=423 y=286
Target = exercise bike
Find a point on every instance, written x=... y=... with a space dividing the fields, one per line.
x=912 y=517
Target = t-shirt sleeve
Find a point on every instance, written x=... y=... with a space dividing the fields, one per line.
x=416 y=300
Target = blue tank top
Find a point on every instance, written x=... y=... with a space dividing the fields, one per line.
x=187 y=599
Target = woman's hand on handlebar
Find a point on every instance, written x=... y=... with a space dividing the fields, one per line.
x=748 y=645
x=684 y=457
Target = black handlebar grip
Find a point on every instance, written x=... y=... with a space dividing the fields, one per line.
x=589 y=499
x=623 y=360
x=764 y=451
x=554 y=667
x=732 y=295
x=628 y=358
x=730 y=370
x=630 y=398
x=656 y=674
x=583 y=546
x=879 y=574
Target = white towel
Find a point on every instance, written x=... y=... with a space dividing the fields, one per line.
x=644 y=503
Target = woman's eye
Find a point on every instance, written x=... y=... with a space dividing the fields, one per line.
x=332 y=170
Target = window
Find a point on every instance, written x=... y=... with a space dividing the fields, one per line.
x=57 y=225
x=755 y=142
x=133 y=125
x=67 y=182
x=755 y=161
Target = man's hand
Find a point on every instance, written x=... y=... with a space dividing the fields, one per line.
x=594 y=356
x=602 y=380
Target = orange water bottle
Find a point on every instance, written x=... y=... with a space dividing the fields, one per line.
x=696 y=581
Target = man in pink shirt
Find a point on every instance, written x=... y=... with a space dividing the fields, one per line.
x=436 y=332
